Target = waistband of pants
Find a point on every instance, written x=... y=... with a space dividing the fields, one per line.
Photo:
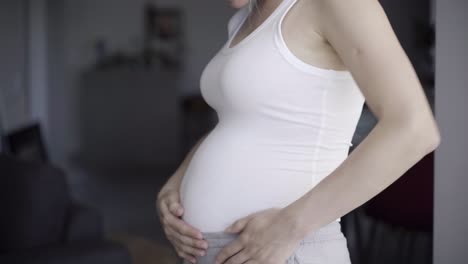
x=327 y=232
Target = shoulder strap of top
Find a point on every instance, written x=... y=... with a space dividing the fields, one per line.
x=242 y=12
x=284 y=9
x=236 y=19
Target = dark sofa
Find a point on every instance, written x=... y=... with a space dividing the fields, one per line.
x=41 y=223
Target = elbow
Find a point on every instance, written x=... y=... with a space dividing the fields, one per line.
x=434 y=139
x=419 y=128
x=426 y=134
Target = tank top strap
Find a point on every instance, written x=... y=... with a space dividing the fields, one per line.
x=241 y=16
x=236 y=20
x=282 y=9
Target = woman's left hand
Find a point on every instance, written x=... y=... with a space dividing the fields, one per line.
x=268 y=236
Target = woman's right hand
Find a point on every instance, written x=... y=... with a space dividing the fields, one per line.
x=186 y=239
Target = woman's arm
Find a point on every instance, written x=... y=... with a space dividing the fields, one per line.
x=175 y=180
x=405 y=132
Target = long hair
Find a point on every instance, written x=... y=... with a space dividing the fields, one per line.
x=252 y=4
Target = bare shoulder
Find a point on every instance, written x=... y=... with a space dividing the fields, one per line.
x=361 y=34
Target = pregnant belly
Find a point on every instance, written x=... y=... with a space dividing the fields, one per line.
x=232 y=175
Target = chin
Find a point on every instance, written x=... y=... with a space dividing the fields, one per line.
x=238 y=3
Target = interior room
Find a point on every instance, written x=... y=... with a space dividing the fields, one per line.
x=100 y=103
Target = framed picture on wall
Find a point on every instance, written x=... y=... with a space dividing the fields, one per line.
x=164 y=35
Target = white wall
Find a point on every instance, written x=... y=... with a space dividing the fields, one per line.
x=14 y=104
x=73 y=25
x=121 y=23
x=37 y=63
x=451 y=157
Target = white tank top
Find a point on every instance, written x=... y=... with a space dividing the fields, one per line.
x=283 y=126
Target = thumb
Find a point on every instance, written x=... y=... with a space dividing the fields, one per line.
x=175 y=205
x=238 y=225
x=179 y=210
x=176 y=208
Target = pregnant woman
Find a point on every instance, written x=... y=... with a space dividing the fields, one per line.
x=271 y=181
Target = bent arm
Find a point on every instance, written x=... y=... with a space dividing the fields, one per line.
x=405 y=132
x=381 y=158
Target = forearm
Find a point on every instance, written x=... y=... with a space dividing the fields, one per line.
x=175 y=180
x=381 y=158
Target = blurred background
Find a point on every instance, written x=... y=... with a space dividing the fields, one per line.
x=99 y=104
